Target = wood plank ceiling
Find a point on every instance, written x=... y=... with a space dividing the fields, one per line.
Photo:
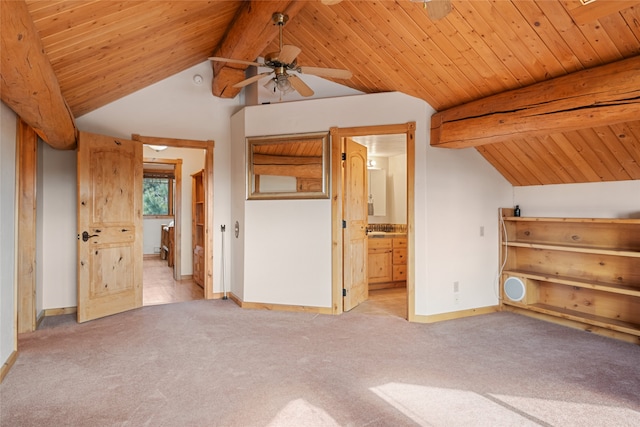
x=104 y=50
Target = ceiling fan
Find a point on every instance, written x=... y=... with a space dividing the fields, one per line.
x=436 y=9
x=282 y=63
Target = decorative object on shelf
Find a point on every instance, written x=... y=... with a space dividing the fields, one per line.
x=516 y=211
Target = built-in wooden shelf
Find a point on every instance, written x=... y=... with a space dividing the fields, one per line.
x=591 y=319
x=581 y=271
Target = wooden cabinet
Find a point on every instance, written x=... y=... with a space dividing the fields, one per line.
x=197 y=226
x=387 y=262
x=380 y=260
x=581 y=272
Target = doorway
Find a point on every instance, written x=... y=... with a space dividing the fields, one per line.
x=162 y=216
x=163 y=282
x=339 y=261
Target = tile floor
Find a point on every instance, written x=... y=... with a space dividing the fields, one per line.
x=159 y=287
x=385 y=302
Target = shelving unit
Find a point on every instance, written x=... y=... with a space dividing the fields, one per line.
x=197 y=226
x=581 y=272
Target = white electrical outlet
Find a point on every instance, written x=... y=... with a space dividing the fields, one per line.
x=482 y=231
x=456 y=287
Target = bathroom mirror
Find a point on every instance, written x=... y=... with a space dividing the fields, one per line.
x=288 y=166
x=377 y=192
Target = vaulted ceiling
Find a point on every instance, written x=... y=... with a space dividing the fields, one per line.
x=101 y=51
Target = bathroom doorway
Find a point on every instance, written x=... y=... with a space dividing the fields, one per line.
x=383 y=230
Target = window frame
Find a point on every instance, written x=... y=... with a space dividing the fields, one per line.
x=161 y=174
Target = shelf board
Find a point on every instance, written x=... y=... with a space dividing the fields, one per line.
x=569 y=281
x=602 y=322
x=575 y=249
x=574 y=220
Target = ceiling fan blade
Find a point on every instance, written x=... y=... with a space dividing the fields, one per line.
x=235 y=61
x=289 y=53
x=251 y=79
x=326 y=72
x=438 y=9
x=300 y=86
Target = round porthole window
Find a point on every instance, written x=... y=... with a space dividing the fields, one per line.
x=514 y=289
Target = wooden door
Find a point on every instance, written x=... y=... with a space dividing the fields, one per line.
x=109 y=225
x=355 y=280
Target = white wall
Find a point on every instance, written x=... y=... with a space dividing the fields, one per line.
x=40 y=230
x=589 y=200
x=456 y=192
x=8 y=326
x=59 y=231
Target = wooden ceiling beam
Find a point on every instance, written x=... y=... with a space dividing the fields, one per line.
x=28 y=83
x=600 y=96
x=250 y=33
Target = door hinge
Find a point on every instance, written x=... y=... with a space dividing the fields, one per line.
x=344 y=292
x=344 y=224
x=344 y=156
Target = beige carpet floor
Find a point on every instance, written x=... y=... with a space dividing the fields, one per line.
x=210 y=363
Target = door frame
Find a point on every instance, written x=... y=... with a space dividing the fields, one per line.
x=208 y=147
x=337 y=194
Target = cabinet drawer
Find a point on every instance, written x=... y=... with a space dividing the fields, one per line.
x=399 y=256
x=380 y=243
x=399 y=242
x=399 y=272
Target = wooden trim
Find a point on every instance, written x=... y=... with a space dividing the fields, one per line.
x=170 y=142
x=599 y=96
x=27 y=167
x=33 y=95
x=177 y=218
x=233 y=297
x=278 y=307
x=411 y=215
x=60 y=311
x=208 y=227
x=285 y=307
x=337 y=134
x=575 y=325
x=4 y=370
x=336 y=221
x=433 y=318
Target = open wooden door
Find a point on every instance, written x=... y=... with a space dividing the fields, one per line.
x=109 y=225
x=355 y=282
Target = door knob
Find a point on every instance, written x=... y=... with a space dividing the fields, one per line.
x=86 y=236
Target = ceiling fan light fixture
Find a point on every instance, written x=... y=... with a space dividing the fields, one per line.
x=282 y=83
